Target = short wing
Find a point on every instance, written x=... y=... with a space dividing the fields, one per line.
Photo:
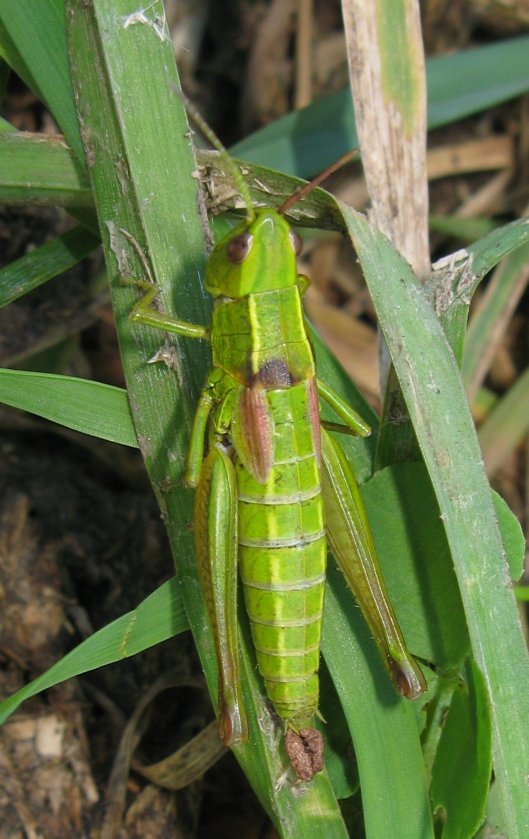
x=252 y=432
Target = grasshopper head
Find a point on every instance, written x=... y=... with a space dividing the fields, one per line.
x=258 y=255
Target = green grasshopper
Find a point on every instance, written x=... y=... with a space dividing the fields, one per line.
x=273 y=488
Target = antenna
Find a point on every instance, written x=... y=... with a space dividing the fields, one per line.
x=210 y=135
x=306 y=189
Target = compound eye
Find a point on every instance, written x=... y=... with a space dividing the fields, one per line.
x=239 y=247
x=295 y=241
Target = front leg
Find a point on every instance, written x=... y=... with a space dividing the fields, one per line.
x=144 y=313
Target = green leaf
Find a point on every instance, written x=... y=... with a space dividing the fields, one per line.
x=6 y=127
x=512 y=536
x=522 y=593
x=383 y=725
x=467 y=229
x=124 y=76
x=436 y=401
x=476 y=79
x=462 y=766
x=159 y=617
x=495 y=825
x=308 y=140
x=416 y=563
x=487 y=252
x=41 y=169
x=89 y=407
x=38 y=54
x=301 y=143
x=339 y=752
x=45 y=262
x=455 y=278
x=495 y=309
x=507 y=425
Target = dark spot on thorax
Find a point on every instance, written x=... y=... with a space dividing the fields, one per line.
x=272 y=374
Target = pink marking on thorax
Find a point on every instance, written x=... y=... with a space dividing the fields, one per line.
x=256 y=425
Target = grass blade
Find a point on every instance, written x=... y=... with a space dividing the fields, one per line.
x=159 y=617
x=41 y=169
x=507 y=425
x=310 y=139
x=437 y=404
x=45 y=262
x=454 y=279
x=124 y=76
x=39 y=56
x=89 y=407
x=492 y=316
x=383 y=725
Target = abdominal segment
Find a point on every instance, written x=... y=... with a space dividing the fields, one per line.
x=282 y=558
